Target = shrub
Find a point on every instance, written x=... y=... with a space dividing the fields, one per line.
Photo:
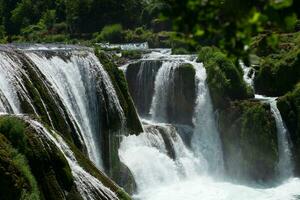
x=17 y=172
x=111 y=33
x=13 y=129
x=132 y=54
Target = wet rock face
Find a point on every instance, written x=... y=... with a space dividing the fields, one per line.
x=289 y=106
x=183 y=96
x=180 y=92
x=141 y=78
x=248 y=134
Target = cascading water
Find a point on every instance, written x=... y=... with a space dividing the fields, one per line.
x=164 y=84
x=285 y=164
x=206 y=140
x=88 y=186
x=152 y=165
x=74 y=80
x=11 y=85
x=158 y=168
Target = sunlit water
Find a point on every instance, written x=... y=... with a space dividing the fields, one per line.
x=160 y=177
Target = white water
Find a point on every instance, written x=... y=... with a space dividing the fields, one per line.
x=164 y=84
x=206 y=140
x=159 y=177
x=75 y=81
x=151 y=165
x=69 y=81
x=247 y=76
x=88 y=186
x=10 y=84
x=285 y=164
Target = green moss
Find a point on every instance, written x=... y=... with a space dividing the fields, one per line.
x=289 y=106
x=279 y=69
x=47 y=164
x=224 y=79
x=180 y=51
x=248 y=134
x=16 y=178
x=13 y=129
x=92 y=169
x=120 y=85
x=47 y=105
x=111 y=129
x=132 y=54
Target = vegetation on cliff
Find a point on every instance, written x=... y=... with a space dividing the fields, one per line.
x=44 y=169
x=278 y=70
x=289 y=106
x=224 y=78
x=247 y=127
x=31 y=168
x=248 y=134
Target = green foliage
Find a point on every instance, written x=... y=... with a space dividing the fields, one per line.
x=22 y=183
x=131 y=54
x=21 y=163
x=278 y=70
x=224 y=79
x=141 y=34
x=215 y=23
x=14 y=129
x=110 y=33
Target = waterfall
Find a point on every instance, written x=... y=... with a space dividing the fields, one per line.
x=206 y=139
x=88 y=186
x=248 y=74
x=164 y=85
x=285 y=165
x=141 y=77
x=159 y=177
x=152 y=165
x=11 y=85
x=165 y=167
x=72 y=80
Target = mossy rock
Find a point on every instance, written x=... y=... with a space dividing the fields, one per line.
x=182 y=99
x=111 y=124
x=47 y=164
x=180 y=51
x=289 y=106
x=146 y=80
x=279 y=67
x=249 y=140
x=48 y=175
x=132 y=54
x=46 y=102
x=224 y=78
x=120 y=84
x=16 y=179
